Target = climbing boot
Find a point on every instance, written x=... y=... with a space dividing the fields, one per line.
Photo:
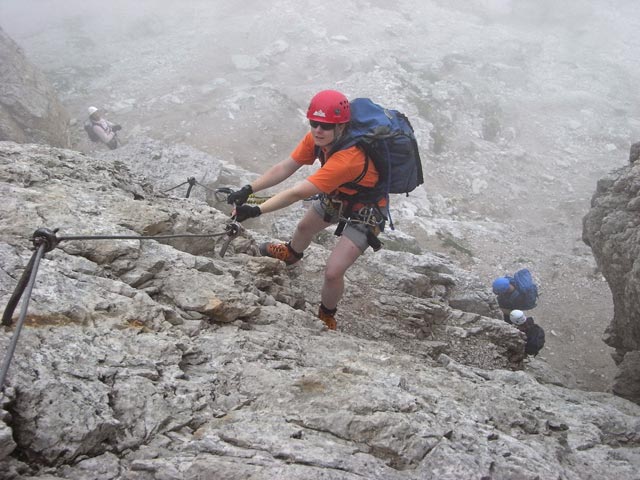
x=328 y=317
x=281 y=251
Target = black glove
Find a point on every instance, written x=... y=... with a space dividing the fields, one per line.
x=240 y=196
x=247 y=211
x=115 y=128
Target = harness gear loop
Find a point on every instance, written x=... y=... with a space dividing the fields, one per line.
x=332 y=208
x=370 y=215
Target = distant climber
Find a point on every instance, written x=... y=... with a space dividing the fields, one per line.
x=533 y=331
x=517 y=292
x=101 y=130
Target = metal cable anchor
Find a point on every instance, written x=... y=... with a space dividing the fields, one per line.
x=232 y=231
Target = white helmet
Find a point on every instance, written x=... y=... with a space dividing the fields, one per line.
x=517 y=317
x=92 y=110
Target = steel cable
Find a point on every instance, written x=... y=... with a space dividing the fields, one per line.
x=35 y=263
x=46 y=240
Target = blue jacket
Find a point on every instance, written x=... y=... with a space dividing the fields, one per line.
x=515 y=300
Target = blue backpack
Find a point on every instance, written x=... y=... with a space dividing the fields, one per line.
x=525 y=285
x=387 y=138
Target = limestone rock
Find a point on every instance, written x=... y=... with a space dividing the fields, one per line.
x=144 y=359
x=612 y=229
x=29 y=109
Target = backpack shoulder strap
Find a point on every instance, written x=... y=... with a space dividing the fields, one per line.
x=353 y=184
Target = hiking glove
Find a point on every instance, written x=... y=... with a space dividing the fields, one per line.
x=247 y=211
x=115 y=128
x=240 y=196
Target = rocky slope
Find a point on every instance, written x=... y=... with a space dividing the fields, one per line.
x=520 y=106
x=29 y=108
x=161 y=360
x=612 y=229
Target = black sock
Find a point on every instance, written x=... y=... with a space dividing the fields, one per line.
x=298 y=255
x=328 y=311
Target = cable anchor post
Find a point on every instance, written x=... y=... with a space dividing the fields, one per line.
x=44 y=240
x=46 y=237
x=192 y=182
x=232 y=231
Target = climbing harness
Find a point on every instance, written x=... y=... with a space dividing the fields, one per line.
x=367 y=215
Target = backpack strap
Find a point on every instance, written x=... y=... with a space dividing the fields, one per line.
x=353 y=184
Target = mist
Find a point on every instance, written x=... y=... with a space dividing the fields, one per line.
x=532 y=68
x=519 y=106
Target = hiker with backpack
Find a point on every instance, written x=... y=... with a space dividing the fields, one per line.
x=533 y=331
x=101 y=130
x=347 y=185
x=518 y=292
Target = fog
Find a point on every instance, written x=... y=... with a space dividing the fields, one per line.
x=246 y=71
x=519 y=107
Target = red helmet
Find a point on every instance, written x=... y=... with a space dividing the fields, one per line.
x=329 y=106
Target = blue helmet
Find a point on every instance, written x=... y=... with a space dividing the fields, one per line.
x=501 y=285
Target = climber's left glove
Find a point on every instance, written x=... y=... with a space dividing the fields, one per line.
x=242 y=212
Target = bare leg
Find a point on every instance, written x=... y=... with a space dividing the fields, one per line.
x=306 y=229
x=341 y=258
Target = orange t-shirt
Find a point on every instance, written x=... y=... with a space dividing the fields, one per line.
x=343 y=166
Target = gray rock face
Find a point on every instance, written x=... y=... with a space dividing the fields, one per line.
x=634 y=152
x=612 y=229
x=147 y=360
x=29 y=109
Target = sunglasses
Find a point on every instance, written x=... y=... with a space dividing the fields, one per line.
x=323 y=126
